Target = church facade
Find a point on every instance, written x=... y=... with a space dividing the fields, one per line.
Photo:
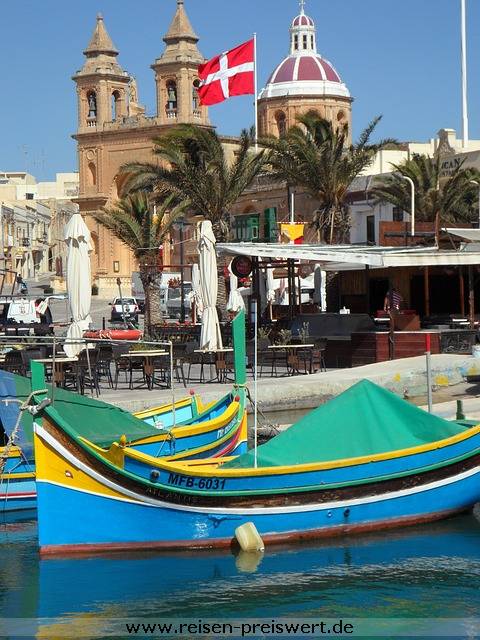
x=113 y=128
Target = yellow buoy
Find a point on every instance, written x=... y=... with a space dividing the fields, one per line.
x=248 y=537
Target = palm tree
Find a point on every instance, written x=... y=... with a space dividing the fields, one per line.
x=316 y=155
x=453 y=199
x=196 y=167
x=143 y=228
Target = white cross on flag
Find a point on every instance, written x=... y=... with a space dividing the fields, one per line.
x=229 y=74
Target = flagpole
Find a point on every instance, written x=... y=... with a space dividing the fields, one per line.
x=256 y=89
x=464 y=74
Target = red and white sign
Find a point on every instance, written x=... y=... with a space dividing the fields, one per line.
x=227 y=75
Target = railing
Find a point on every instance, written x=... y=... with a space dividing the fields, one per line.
x=91 y=122
x=171 y=114
x=197 y=113
x=25 y=242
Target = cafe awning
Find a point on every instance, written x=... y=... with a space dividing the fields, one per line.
x=349 y=257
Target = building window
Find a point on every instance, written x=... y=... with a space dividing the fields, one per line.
x=305 y=42
x=29 y=196
x=116 y=266
x=281 y=119
x=312 y=42
x=195 y=97
x=172 y=101
x=245 y=228
x=397 y=214
x=295 y=43
x=92 y=174
x=371 y=229
x=115 y=105
x=92 y=105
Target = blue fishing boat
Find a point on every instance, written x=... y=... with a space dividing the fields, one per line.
x=185 y=430
x=366 y=460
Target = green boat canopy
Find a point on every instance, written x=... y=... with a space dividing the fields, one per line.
x=363 y=420
x=102 y=426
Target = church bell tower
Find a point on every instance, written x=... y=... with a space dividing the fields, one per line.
x=176 y=74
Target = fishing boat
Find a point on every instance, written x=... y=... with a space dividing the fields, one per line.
x=364 y=461
x=186 y=429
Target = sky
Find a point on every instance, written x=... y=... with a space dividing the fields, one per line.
x=399 y=59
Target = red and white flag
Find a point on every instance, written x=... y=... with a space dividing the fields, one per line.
x=229 y=74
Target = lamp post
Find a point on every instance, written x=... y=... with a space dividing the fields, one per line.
x=478 y=185
x=412 y=213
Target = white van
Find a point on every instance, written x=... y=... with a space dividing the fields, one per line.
x=26 y=315
x=139 y=294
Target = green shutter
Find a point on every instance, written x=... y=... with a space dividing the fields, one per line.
x=270 y=224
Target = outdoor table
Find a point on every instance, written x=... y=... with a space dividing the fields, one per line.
x=58 y=373
x=148 y=365
x=292 y=353
x=216 y=357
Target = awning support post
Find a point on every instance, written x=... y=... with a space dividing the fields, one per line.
x=426 y=287
x=471 y=297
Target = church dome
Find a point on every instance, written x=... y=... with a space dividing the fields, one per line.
x=304 y=71
x=303 y=20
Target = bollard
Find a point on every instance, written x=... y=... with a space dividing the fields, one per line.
x=460 y=415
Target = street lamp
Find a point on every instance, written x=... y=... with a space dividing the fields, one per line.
x=478 y=185
x=412 y=214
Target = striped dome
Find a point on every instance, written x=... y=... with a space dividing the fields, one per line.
x=304 y=67
x=305 y=74
x=303 y=21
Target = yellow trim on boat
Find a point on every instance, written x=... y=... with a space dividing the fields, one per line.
x=17 y=476
x=15 y=452
x=164 y=408
x=116 y=453
x=195 y=429
x=207 y=467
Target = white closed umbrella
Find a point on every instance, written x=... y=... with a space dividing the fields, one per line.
x=197 y=291
x=320 y=291
x=270 y=286
x=235 y=300
x=79 y=284
x=210 y=337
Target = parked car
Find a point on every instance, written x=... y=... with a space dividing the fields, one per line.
x=124 y=309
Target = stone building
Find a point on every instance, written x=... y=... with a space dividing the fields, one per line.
x=302 y=81
x=113 y=128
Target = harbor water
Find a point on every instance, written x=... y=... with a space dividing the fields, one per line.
x=429 y=571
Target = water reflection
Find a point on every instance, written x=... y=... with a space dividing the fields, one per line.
x=428 y=571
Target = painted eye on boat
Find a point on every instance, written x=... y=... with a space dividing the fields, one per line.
x=154 y=475
x=69 y=474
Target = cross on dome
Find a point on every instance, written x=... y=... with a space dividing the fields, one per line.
x=302 y=6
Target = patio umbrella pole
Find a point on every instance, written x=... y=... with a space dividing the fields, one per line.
x=89 y=367
x=170 y=344
x=255 y=376
x=53 y=367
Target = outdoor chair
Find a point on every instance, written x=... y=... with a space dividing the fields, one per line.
x=14 y=362
x=32 y=353
x=318 y=356
x=267 y=357
x=122 y=365
x=193 y=360
x=85 y=371
x=160 y=370
x=104 y=361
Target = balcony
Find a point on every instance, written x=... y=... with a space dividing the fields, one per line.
x=197 y=113
x=171 y=114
